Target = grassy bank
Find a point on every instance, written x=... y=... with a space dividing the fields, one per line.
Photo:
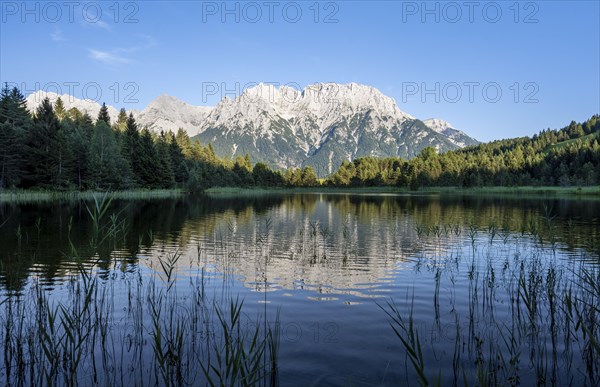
x=559 y=191
x=25 y=196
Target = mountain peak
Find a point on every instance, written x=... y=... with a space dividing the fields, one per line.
x=438 y=124
x=88 y=106
x=168 y=100
x=164 y=97
x=166 y=113
x=324 y=100
x=456 y=136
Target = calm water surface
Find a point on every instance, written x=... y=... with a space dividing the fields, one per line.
x=328 y=263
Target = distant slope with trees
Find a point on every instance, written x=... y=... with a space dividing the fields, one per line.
x=565 y=157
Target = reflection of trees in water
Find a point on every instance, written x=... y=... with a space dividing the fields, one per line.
x=322 y=236
x=35 y=238
x=573 y=222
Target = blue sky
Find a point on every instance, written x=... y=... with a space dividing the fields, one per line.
x=494 y=69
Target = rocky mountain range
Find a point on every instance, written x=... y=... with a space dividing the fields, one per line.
x=319 y=126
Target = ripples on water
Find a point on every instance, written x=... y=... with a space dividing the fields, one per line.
x=462 y=268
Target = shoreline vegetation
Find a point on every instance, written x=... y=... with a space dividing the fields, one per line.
x=22 y=196
x=34 y=195
x=591 y=191
x=29 y=196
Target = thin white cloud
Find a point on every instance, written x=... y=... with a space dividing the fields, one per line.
x=149 y=42
x=107 y=57
x=92 y=19
x=57 y=36
x=100 y=24
x=121 y=55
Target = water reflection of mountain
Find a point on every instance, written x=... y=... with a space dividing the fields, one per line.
x=332 y=242
x=307 y=242
x=347 y=244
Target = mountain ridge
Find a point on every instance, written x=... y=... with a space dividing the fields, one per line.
x=320 y=126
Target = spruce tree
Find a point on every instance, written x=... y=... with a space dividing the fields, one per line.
x=46 y=151
x=15 y=121
x=121 y=124
x=131 y=149
x=10 y=156
x=4 y=103
x=243 y=169
x=164 y=163
x=180 y=169
x=103 y=114
x=309 y=177
x=80 y=138
x=59 y=109
x=13 y=108
x=147 y=157
x=74 y=114
x=104 y=158
x=185 y=143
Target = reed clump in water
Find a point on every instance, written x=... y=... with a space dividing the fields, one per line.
x=531 y=319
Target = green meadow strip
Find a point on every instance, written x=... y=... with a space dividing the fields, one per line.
x=591 y=192
x=26 y=196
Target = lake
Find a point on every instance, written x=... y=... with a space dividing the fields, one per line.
x=301 y=289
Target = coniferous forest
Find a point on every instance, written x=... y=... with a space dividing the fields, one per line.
x=56 y=149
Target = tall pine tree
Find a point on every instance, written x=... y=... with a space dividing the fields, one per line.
x=130 y=147
x=164 y=163
x=105 y=159
x=46 y=150
x=103 y=114
x=121 y=124
x=80 y=138
x=15 y=121
x=180 y=169
x=59 y=109
x=147 y=158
